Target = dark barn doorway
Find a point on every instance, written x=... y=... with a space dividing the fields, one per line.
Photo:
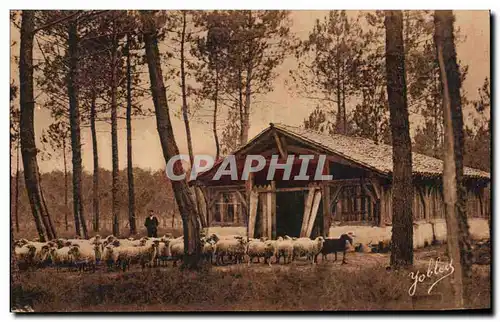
x=289 y=212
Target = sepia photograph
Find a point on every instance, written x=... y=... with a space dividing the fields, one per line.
x=250 y=161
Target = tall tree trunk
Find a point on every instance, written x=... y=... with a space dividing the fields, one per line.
x=181 y=190
x=74 y=115
x=240 y=104
x=114 y=137
x=216 y=99
x=95 y=176
x=246 y=111
x=47 y=221
x=459 y=248
x=402 y=186
x=344 y=112
x=130 y=166
x=185 y=114
x=339 y=121
x=436 y=121
x=17 y=187
x=26 y=126
x=66 y=208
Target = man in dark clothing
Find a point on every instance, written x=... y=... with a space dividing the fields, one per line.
x=151 y=224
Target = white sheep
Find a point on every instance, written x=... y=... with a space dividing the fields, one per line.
x=176 y=247
x=60 y=256
x=235 y=248
x=25 y=254
x=124 y=255
x=85 y=255
x=307 y=247
x=109 y=256
x=284 y=248
x=208 y=247
x=163 y=252
x=261 y=248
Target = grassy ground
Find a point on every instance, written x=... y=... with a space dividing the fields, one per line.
x=363 y=284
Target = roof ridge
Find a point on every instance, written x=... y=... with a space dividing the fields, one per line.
x=365 y=141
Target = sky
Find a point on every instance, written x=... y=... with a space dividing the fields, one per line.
x=279 y=106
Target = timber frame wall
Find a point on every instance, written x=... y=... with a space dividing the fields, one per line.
x=254 y=204
x=260 y=200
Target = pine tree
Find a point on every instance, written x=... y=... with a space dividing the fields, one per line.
x=402 y=185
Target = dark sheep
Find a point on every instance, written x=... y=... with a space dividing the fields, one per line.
x=334 y=245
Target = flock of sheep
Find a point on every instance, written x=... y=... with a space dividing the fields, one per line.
x=86 y=254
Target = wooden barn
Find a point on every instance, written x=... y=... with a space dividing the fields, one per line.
x=358 y=196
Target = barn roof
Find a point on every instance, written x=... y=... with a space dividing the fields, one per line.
x=363 y=151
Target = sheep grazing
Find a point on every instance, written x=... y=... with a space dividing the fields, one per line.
x=60 y=257
x=125 y=255
x=85 y=256
x=334 y=245
x=163 y=252
x=260 y=248
x=307 y=247
x=284 y=248
x=95 y=240
x=176 y=250
x=110 y=256
x=208 y=247
x=25 y=255
x=235 y=248
x=42 y=256
x=21 y=242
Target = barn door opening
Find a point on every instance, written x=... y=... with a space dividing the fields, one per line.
x=289 y=213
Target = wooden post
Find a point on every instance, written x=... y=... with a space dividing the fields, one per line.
x=383 y=207
x=273 y=209
x=222 y=207
x=307 y=212
x=325 y=194
x=334 y=197
x=269 y=216
x=326 y=209
x=253 y=202
x=281 y=149
x=235 y=208
x=248 y=197
x=263 y=215
x=208 y=193
x=314 y=212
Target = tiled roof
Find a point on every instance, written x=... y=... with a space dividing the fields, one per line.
x=369 y=154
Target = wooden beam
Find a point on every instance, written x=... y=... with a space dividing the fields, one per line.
x=263 y=214
x=254 y=199
x=228 y=188
x=326 y=210
x=376 y=187
x=293 y=149
x=248 y=195
x=214 y=197
x=314 y=212
x=264 y=189
x=242 y=199
x=222 y=207
x=273 y=209
x=336 y=191
x=269 y=215
x=346 y=182
x=307 y=212
x=373 y=197
x=279 y=145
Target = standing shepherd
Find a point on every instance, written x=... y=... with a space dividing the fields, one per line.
x=151 y=224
